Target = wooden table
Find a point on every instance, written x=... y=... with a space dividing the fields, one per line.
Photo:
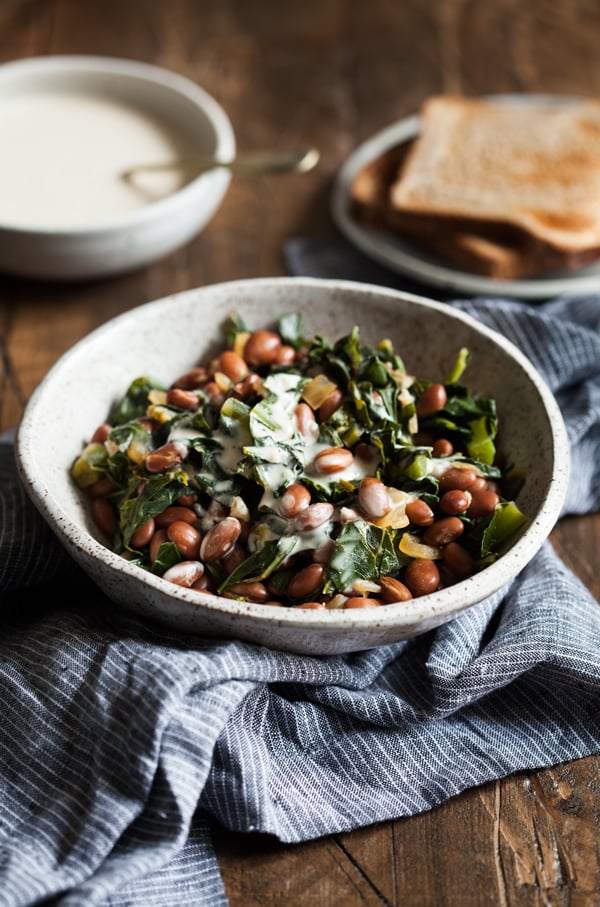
x=330 y=73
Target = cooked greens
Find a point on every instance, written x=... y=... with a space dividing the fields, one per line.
x=308 y=458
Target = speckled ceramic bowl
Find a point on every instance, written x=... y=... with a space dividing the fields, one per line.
x=167 y=337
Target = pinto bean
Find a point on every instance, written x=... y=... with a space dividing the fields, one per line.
x=294 y=500
x=262 y=348
x=306 y=582
x=202 y=584
x=185 y=573
x=373 y=498
x=102 y=487
x=233 y=558
x=330 y=405
x=101 y=433
x=215 y=395
x=322 y=554
x=219 y=540
x=192 y=380
x=333 y=459
x=483 y=503
x=248 y=386
x=250 y=591
x=305 y=418
x=422 y=576
x=349 y=515
x=455 y=501
x=314 y=515
x=443 y=531
x=480 y=484
x=442 y=448
x=175 y=513
x=158 y=539
x=183 y=399
x=166 y=457
x=104 y=516
x=392 y=590
x=459 y=561
x=142 y=536
x=232 y=365
x=361 y=601
x=186 y=500
x=419 y=512
x=431 y=400
x=186 y=538
x=286 y=355
x=454 y=477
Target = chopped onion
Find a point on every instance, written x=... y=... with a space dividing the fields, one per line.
x=364 y=586
x=239 y=344
x=160 y=414
x=396 y=517
x=138 y=451
x=222 y=382
x=239 y=509
x=318 y=390
x=338 y=601
x=410 y=545
x=157 y=396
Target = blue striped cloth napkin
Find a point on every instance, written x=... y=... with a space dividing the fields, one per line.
x=122 y=743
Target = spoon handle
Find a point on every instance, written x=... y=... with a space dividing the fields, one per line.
x=272 y=161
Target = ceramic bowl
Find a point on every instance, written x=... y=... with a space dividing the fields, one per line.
x=71 y=126
x=167 y=337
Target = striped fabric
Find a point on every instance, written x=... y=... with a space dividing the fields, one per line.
x=120 y=742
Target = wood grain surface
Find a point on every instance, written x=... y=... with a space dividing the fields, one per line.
x=329 y=73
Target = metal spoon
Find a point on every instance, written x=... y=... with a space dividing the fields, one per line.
x=273 y=161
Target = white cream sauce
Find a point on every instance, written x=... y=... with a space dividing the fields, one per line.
x=275 y=431
x=62 y=153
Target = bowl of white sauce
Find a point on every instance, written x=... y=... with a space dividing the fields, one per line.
x=71 y=127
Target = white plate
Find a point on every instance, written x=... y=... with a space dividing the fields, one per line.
x=390 y=250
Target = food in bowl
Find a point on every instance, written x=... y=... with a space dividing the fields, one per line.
x=303 y=472
x=172 y=334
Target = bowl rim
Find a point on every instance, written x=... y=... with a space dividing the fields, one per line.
x=153 y=75
x=439 y=606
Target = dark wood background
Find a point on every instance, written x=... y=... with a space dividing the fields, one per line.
x=329 y=73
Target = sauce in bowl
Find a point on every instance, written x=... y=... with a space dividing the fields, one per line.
x=63 y=152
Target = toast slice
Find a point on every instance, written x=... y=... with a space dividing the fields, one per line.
x=497 y=251
x=370 y=189
x=477 y=164
x=478 y=212
x=493 y=256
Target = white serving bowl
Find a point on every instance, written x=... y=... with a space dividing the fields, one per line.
x=70 y=125
x=166 y=338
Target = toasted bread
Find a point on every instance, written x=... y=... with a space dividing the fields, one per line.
x=499 y=258
x=534 y=167
x=504 y=190
x=370 y=189
x=501 y=253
